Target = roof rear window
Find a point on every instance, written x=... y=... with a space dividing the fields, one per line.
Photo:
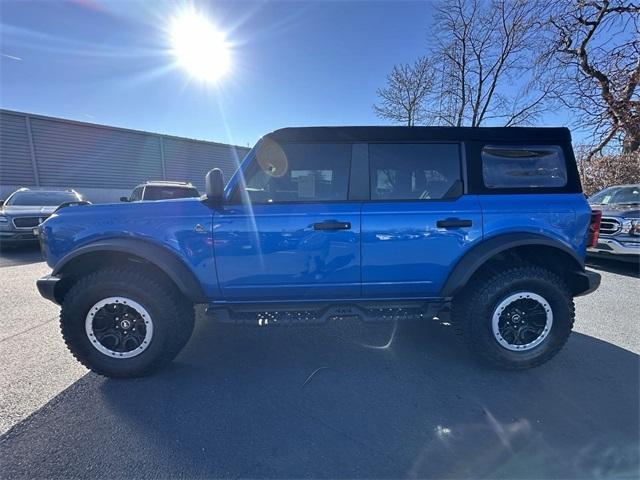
x=523 y=166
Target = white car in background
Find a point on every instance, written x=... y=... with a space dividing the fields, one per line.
x=161 y=190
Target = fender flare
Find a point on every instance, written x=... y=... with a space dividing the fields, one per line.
x=160 y=257
x=481 y=253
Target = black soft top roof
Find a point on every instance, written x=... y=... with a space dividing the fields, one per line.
x=404 y=134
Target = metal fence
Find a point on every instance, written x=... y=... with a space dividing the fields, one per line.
x=98 y=160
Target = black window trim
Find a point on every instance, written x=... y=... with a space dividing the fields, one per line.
x=463 y=171
x=359 y=185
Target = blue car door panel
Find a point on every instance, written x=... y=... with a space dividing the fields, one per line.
x=409 y=248
x=278 y=252
x=292 y=233
x=417 y=224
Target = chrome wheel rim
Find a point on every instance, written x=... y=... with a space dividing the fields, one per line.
x=522 y=321
x=119 y=327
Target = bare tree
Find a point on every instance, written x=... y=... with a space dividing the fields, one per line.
x=597 y=50
x=488 y=68
x=402 y=100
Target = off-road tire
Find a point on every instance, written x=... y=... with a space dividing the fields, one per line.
x=172 y=316
x=473 y=308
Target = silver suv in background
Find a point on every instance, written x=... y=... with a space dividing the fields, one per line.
x=620 y=225
x=161 y=190
x=25 y=209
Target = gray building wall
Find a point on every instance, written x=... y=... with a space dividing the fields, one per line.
x=101 y=162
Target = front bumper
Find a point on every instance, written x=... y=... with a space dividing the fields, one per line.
x=614 y=246
x=47 y=287
x=586 y=282
x=17 y=236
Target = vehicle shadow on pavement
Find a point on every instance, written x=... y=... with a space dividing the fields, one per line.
x=337 y=401
x=627 y=268
x=20 y=255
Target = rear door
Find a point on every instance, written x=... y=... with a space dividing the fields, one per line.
x=418 y=222
x=291 y=232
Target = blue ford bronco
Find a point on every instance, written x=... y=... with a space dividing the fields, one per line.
x=487 y=225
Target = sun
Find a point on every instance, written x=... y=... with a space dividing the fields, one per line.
x=199 y=48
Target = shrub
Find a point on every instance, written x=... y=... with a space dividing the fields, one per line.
x=606 y=170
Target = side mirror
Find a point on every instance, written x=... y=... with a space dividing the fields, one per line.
x=124 y=199
x=1 y=203
x=214 y=185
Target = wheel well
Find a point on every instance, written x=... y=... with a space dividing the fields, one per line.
x=88 y=263
x=561 y=263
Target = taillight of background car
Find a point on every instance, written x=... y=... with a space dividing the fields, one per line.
x=594 y=228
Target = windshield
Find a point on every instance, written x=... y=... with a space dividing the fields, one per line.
x=41 y=199
x=617 y=196
x=164 y=193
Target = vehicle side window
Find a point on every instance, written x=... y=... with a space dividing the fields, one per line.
x=523 y=166
x=299 y=172
x=419 y=171
x=136 y=195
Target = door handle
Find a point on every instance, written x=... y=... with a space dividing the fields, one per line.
x=332 y=225
x=453 y=223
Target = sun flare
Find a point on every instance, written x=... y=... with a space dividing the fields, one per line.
x=199 y=48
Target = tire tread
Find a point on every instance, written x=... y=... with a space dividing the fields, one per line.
x=486 y=287
x=179 y=313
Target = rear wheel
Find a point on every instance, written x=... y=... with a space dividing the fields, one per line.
x=120 y=323
x=516 y=319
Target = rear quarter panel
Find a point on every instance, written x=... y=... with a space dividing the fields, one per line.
x=564 y=217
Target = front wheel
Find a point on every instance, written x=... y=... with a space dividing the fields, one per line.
x=516 y=319
x=121 y=323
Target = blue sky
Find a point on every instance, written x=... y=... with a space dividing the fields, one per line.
x=293 y=64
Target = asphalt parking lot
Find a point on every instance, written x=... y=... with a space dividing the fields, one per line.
x=335 y=401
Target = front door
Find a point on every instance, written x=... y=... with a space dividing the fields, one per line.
x=290 y=232
x=418 y=223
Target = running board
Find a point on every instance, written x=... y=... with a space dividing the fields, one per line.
x=315 y=313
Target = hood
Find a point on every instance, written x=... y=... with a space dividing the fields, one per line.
x=139 y=210
x=27 y=210
x=616 y=210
